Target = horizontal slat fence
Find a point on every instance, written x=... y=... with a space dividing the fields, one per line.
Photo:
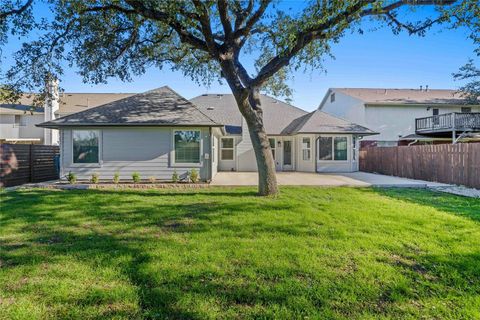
x=446 y=163
x=35 y=163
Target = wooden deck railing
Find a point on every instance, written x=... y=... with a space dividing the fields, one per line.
x=454 y=121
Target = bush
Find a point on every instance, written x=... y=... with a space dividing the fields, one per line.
x=72 y=178
x=116 y=177
x=175 y=176
x=194 y=176
x=94 y=178
x=152 y=179
x=136 y=177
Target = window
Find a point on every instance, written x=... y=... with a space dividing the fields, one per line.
x=20 y=121
x=435 y=112
x=272 y=146
x=187 y=146
x=466 y=109
x=354 y=144
x=340 y=148
x=227 y=149
x=333 y=148
x=325 y=148
x=332 y=97
x=85 y=146
x=306 y=149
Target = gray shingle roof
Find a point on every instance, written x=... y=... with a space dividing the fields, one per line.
x=158 y=107
x=69 y=103
x=280 y=118
x=403 y=96
x=322 y=122
x=222 y=108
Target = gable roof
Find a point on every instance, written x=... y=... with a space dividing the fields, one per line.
x=222 y=108
x=402 y=96
x=280 y=118
x=69 y=103
x=158 y=107
x=321 y=122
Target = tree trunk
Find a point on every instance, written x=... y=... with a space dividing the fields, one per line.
x=252 y=112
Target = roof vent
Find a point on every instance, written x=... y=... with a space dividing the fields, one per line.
x=426 y=88
x=421 y=88
x=205 y=94
x=210 y=108
x=385 y=91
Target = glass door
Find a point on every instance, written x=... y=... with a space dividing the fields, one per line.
x=287 y=155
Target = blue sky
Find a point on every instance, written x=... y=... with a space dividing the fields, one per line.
x=374 y=59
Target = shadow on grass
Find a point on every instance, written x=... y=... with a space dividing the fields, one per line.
x=48 y=236
x=458 y=205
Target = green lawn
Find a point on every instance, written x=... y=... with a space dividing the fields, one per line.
x=313 y=253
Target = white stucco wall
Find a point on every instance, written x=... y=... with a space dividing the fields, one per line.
x=147 y=151
x=28 y=130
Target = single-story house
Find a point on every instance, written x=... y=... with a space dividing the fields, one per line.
x=158 y=132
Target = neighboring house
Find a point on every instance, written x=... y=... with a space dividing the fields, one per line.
x=159 y=132
x=394 y=113
x=18 y=121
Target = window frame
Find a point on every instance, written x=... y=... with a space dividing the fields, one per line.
x=100 y=154
x=309 y=149
x=187 y=164
x=464 y=109
x=232 y=148
x=332 y=97
x=274 y=149
x=333 y=160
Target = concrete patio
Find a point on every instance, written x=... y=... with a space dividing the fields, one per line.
x=353 y=179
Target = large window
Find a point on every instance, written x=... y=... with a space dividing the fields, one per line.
x=272 y=146
x=227 y=149
x=306 y=149
x=330 y=148
x=187 y=146
x=85 y=146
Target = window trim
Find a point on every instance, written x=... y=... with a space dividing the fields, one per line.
x=186 y=164
x=100 y=153
x=274 y=149
x=333 y=149
x=232 y=148
x=304 y=149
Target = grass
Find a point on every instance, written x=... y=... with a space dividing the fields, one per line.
x=314 y=253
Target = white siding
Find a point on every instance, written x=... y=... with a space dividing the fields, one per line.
x=393 y=122
x=246 y=160
x=8 y=130
x=345 y=107
x=127 y=150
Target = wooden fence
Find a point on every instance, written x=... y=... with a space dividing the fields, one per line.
x=447 y=163
x=23 y=163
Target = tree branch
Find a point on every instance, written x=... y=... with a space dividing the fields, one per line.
x=225 y=19
x=253 y=19
x=4 y=15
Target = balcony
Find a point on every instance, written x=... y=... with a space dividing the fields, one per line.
x=448 y=125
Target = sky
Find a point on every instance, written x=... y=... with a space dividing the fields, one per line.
x=376 y=59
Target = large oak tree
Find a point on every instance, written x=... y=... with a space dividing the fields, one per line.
x=209 y=40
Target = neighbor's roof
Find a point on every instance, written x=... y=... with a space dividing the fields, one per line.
x=403 y=96
x=69 y=103
x=158 y=107
x=321 y=122
x=223 y=109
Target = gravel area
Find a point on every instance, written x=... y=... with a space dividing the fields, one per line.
x=459 y=190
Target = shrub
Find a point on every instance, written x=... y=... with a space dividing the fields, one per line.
x=136 y=177
x=72 y=178
x=194 y=176
x=152 y=179
x=116 y=177
x=94 y=178
x=175 y=176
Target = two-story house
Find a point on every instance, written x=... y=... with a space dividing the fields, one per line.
x=18 y=121
x=405 y=116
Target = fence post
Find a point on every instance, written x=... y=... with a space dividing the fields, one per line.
x=31 y=163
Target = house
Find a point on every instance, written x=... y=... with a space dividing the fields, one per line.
x=18 y=121
x=158 y=132
x=441 y=114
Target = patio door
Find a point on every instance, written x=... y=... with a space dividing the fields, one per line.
x=287 y=164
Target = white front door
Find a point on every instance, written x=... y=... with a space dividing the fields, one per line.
x=287 y=153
